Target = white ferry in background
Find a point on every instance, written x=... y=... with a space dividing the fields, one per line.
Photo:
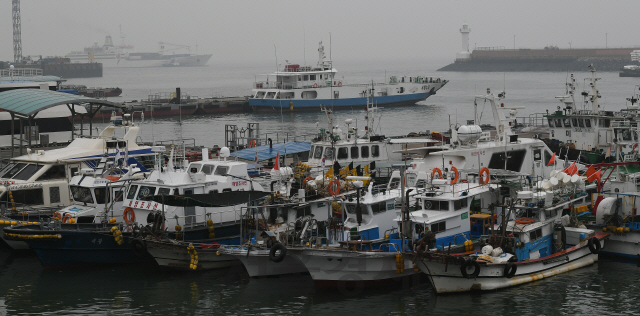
x=305 y=88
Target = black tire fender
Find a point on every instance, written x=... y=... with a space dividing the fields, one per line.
x=139 y=247
x=594 y=245
x=476 y=269
x=281 y=255
x=510 y=270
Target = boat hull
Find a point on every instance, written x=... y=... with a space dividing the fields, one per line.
x=175 y=256
x=448 y=278
x=257 y=263
x=337 y=267
x=299 y=105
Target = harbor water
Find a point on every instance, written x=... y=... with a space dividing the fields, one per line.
x=608 y=287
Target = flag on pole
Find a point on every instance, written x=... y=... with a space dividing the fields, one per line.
x=277 y=165
x=596 y=175
x=255 y=159
x=590 y=171
x=608 y=154
x=117 y=152
x=323 y=162
x=552 y=160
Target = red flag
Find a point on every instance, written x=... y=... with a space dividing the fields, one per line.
x=597 y=175
x=552 y=160
x=277 y=165
x=591 y=171
x=573 y=169
x=255 y=160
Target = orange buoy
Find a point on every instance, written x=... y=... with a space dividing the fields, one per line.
x=486 y=178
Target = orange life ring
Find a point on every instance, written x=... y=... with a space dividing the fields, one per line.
x=304 y=182
x=486 y=179
x=252 y=143
x=335 y=182
x=457 y=175
x=66 y=218
x=635 y=146
x=434 y=171
x=525 y=221
x=339 y=83
x=129 y=215
x=57 y=216
x=315 y=85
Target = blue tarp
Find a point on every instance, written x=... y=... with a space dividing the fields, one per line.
x=265 y=153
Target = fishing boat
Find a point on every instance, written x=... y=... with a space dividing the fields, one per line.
x=305 y=88
x=94 y=92
x=529 y=243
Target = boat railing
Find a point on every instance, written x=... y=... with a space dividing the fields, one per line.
x=228 y=216
x=17 y=73
x=535 y=119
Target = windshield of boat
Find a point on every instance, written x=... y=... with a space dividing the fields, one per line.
x=194 y=168
x=146 y=193
x=27 y=172
x=11 y=169
x=81 y=194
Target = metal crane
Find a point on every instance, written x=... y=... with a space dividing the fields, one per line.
x=17 y=37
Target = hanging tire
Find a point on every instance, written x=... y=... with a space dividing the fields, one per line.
x=510 y=270
x=594 y=245
x=139 y=247
x=283 y=252
x=476 y=269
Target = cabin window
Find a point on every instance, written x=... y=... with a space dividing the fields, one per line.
x=318 y=153
x=575 y=122
x=587 y=122
x=164 y=191
x=224 y=190
x=364 y=151
x=306 y=78
x=421 y=183
x=101 y=195
x=312 y=77
x=10 y=170
x=605 y=123
x=558 y=123
x=328 y=153
x=581 y=122
x=146 y=193
x=222 y=171
x=118 y=194
x=567 y=122
x=208 y=169
x=439 y=227
x=537 y=154
x=81 y=194
x=54 y=195
x=380 y=207
x=299 y=78
x=27 y=172
x=514 y=160
x=132 y=192
x=354 y=152
x=213 y=191
x=394 y=183
x=460 y=204
x=55 y=172
x=343 y=153
x=31 y=196
x=375 y=151
x=436 y=205
x=551 y=122
x=194 y=168
x=535 y=235
x=311 y=151
x=190 y=191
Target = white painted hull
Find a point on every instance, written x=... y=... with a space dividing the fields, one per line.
x=258 y=264
x=624 y=245
x=492 y=276
x=351 y=266
x=178 y=258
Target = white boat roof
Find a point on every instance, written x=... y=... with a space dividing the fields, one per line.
x=412 y=140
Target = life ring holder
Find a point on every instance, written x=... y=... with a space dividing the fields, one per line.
x=315 y=85
x=456 y=175
x=57 y=216
x=252 y=143
x=438 y=171
x=304 y=182
x=525 y=221
x=335 y=182
x=272 y=253
x=486 y=173
x=339 y=83
x=476 y=269
x=129 y=215
x=635 y=146
x=66 y=218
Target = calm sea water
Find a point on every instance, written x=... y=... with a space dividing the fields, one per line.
x=606 y=288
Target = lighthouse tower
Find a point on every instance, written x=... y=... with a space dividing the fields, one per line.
x=464 y=54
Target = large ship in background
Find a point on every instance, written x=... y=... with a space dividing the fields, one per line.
x=123 y=55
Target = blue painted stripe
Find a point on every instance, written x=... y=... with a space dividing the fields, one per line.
x=349 y=102
x=139 y=152
x=453 y=239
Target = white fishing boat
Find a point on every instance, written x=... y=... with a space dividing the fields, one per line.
x=529 y=243
x=305 y=88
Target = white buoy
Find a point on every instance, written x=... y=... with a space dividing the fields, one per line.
x=553 y=173
x=560 y=175
x=554 y=181
x=575 y=178
x=566 y=178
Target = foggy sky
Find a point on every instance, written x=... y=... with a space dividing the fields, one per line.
x=246 y=31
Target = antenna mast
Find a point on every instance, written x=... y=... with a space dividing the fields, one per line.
x=17 y=37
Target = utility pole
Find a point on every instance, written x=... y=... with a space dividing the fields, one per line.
x=17 y=37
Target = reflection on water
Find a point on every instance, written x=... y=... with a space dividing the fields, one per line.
x=609 y=287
